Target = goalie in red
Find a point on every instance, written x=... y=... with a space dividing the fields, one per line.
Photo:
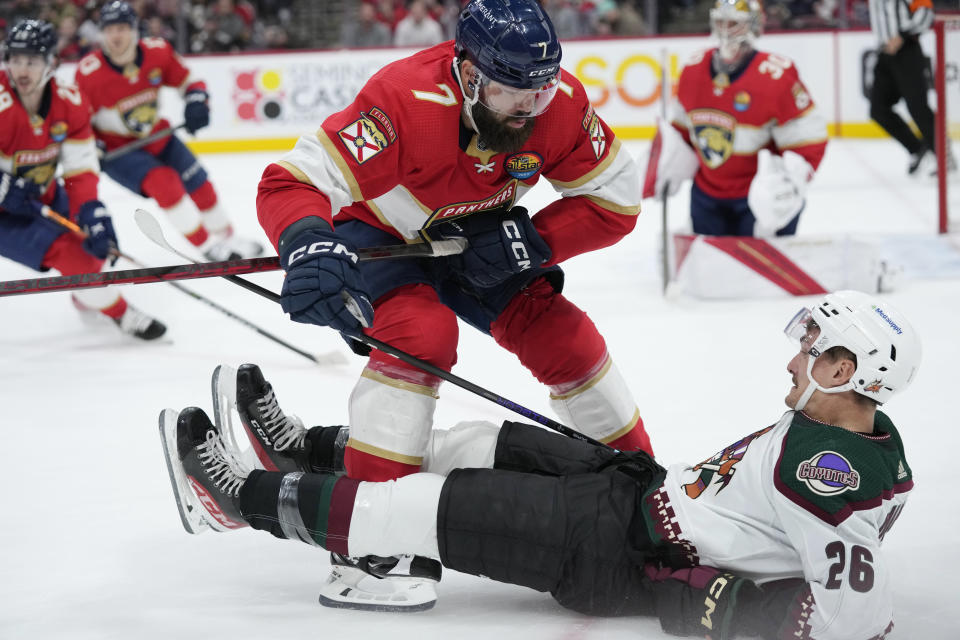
x=745 y=128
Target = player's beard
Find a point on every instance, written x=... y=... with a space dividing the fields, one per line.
x=497 y=135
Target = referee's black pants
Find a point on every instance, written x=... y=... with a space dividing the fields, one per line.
x=903 y=75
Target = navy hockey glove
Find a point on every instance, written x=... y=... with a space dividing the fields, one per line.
x=18 y=196
x=323 y=284
x=98 y=225
x=196 y=111
x=499 y=246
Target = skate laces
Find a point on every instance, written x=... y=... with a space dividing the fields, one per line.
x=287 y=431
x=223 y=467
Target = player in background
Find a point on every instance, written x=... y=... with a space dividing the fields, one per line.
x=800 y=507
x=445 y=142
x=122 y=83
x=745 y=128
x=42 y=124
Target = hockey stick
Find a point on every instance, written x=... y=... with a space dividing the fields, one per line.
x=207 y=270
x=332 y=357
x=139 y=144
x=150 y=227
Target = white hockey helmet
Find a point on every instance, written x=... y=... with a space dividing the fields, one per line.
x=736 y=24
x=886 y=346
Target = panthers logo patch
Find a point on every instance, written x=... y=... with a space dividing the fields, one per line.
x=713 y=133
x=139 y=112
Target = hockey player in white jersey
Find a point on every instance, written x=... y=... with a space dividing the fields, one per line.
x=793 y=515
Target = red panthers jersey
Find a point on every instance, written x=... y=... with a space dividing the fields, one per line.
x=728 y=120
x=398 y=159
x=31 y=147
x=125 y=100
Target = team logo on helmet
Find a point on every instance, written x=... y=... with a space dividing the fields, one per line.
x=875 y=386
x=363 y=138
x=828 y=473
x=719 y=469
x=523 y=165
x=713 y=131
x=58 y=131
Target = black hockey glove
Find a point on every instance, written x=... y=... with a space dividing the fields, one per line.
x=19 y=196
x=704 y=602
x=500 y=245
x=98 y=225
x=196 y=110
x=323 y=284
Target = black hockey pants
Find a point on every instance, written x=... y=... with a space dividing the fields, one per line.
x=556 y=515
x=903 y=75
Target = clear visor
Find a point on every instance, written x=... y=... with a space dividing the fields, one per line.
x=804 y=329
x=519 y=103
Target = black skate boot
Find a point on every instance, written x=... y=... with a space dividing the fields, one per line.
x=278 y=440
x=139 y=325
x=205 y=471
x=373 y=583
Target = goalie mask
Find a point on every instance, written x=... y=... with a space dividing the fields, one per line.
x=735 y=24
x=886 y=347
x=31 y=45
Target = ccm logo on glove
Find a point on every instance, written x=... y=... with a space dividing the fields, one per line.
x=512 y=231
x=322 y=247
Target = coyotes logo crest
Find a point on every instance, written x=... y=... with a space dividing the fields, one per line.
x=719 y=469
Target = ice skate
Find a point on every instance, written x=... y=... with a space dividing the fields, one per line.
x=923 y=164
x=372 y=583
x=139 y=325
x=228 y=246
x=205 y=472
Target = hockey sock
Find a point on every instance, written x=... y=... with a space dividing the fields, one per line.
x=312 y=508
x=325 y=449
x=212 y=215
x=163 y=185
x=637 y=439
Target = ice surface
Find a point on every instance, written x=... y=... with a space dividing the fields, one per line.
x=90 y=543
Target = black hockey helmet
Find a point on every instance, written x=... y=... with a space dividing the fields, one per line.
x=33 y=37
x=117 y=12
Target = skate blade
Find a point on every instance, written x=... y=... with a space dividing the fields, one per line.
x=401 y=594
x=190 y=516
x=223 y=387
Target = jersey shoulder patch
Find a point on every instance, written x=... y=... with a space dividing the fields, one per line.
x=832 y=472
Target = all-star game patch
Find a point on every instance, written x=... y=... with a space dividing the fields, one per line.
x=365 y=137
x=523 y=165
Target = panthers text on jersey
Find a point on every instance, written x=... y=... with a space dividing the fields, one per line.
x=31 y=146
x=803 y=500
x=125 y=100
x=727 y=120
x=400 y=159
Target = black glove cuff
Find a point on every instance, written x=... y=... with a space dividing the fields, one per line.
x=303 y=224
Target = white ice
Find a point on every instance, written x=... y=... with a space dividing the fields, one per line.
x=90 y=543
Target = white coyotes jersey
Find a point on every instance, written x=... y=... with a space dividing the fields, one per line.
x=799 y=499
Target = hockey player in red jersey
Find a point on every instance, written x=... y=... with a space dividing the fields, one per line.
x=801 y=507
x=445 y=142
x=745 y=128
x=123 y=84
x=43 y=123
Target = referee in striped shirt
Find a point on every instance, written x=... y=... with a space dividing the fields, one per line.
x=902 y=72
